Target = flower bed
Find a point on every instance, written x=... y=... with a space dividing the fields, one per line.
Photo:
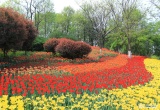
x=118 y=83
x=133 y=73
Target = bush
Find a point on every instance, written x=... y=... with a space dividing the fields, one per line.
x=155 y=57
x=82 y=49
x=51 y=44
x=71 y=49
x=38 y=44
x=66 y=48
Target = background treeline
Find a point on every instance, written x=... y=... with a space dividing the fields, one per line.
x=120 y=25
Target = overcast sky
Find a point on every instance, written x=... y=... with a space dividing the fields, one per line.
x=60 y=4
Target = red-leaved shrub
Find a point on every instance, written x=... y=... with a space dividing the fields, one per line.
x=51 y=44
x=71 y=49
x=82 y=49
x=66 y=48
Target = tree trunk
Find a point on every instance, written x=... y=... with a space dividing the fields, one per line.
x=100 y=43
x=84 y=34
x=31 y=10
x=5 y=53
x=45 y=19
x=35 y=18
x=38 y=21
x=25 y=52
x=129 y=48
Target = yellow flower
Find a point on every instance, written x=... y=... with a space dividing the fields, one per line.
x=53 y=101
x=41 y=102
x=4 y=104
x=86 y=104
x=38 y=98
x=5 y=97
x=35 y=102
x=20 y=107
x=85 y=108
x=13 y=100
x=12 y=107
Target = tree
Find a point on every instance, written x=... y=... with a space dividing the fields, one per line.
x=63 y=24
x=12 y=4
x=67 y=15
x=128 y=19
x=82 y=27
x=46 y=26
x=155 y=8
x=99 y=15
x=15 y=29
x=31 y=34
x=12 y=30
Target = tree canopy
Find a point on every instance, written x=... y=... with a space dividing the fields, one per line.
x=15 y=30
x=120 y=25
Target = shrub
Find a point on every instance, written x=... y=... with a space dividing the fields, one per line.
x=66 y=48
x=71 y=49
x=38 y=44
x=82 y=49
x=51 y=44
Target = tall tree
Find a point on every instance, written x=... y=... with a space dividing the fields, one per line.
x=12 y=30
x=63 y=23
x=156 y=10
x=67 y=14
x=128 y=20
x=80 y=24
x=99 y=14
x=12 y=4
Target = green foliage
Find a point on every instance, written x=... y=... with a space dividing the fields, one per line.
x=46 y=25
x=38 y=44
x=155 y=57
x=14 y=53
x=59 y=34
x=12 y=4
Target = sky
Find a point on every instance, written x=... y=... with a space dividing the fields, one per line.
x=60 y=4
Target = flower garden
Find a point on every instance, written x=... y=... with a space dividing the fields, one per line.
x=106 y=81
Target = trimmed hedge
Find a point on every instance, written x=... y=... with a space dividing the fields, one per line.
x=51 y=44
x=67 y=48
x=82 y=49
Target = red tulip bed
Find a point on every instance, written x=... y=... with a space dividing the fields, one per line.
x=82 y=77
x=62 y=76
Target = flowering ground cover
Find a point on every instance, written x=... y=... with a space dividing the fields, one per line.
x=47 y=59
x=111 y=83
x=49 y=83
